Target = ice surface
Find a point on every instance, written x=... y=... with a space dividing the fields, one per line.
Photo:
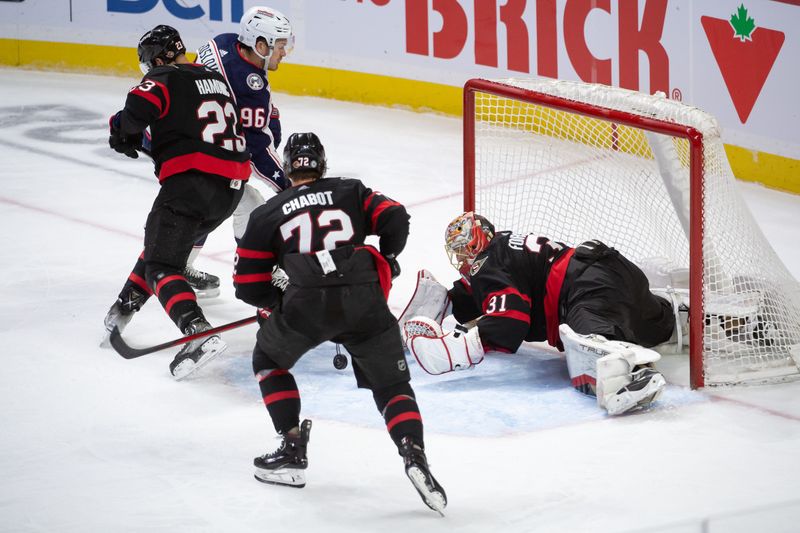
x=91 y=442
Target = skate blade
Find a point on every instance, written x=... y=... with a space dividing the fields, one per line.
x=186 y=368
x=432 y=498
x=206 y=294
x=105 y=343
x=288 y=477
x=627 y=402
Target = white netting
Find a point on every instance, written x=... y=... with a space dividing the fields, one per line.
x=572 y=178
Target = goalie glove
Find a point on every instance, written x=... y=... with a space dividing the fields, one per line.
x=437 y=351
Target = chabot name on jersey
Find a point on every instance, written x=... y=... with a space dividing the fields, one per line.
x=315 y=198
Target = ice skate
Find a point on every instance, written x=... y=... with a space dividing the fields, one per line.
x=197 y=353
x=203 y=284
x=121 y=313
x=646 y=386
x=286 y=465
x=420 y=475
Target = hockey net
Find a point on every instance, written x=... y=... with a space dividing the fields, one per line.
x=575 y=161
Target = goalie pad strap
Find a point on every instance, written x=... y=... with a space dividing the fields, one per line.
x=601 y=367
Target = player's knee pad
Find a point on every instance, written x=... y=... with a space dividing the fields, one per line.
x=169 y=237
x=251 y=198
x=384 y=394
x=262 y=362
x=600 y=366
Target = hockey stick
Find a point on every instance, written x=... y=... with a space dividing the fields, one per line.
x=129 y=352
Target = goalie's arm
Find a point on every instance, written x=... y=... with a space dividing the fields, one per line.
x=506 y=311
x=464 y=307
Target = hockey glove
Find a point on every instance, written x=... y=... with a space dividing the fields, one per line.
x=275 y=126
x=394 y=266
x=124 y=144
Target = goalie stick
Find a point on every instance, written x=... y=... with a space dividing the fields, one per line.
x=129 y=352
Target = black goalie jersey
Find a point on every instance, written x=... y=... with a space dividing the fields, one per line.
x=193 y=120
x=515 y=284
x=327 y=214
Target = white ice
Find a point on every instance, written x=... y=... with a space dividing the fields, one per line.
x=94 y=443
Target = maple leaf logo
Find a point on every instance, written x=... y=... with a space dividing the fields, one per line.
x=743 y=25
x=745 y=58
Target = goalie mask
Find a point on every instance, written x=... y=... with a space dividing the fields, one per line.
x=303 y=154
x=466 y=237
x=162 y=42
x=265 y=23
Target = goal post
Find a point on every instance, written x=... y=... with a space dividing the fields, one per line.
x=575 y=161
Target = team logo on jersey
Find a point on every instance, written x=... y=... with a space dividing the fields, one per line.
x=255 y=82
x=477 y=266
x=401 y=365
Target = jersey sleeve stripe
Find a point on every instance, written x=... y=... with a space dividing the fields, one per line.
x=150 y=97
x=234 y=170
x=516 y=315
x=383 y=206
x=252 y=278
x=368 y=201
x=165 y=92
x=254 y=254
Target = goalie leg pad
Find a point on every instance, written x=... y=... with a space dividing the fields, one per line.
x=430 y=299
x=679 y=298
x=614 y=368
x=437 y=351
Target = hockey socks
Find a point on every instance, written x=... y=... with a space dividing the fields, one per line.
x=280 y=394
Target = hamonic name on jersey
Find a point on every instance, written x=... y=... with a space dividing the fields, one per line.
x=212 y=87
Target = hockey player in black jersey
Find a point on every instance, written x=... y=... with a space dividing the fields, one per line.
x=315 y=232
x=201 y=162
x=588 y=301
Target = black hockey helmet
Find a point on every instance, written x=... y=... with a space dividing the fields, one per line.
x=162 y=42
x=304 y=153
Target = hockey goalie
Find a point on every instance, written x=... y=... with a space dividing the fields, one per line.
x=588 y=301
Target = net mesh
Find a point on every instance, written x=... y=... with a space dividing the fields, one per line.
x=573 y=178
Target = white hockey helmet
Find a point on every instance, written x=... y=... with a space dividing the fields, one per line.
x=267 y=23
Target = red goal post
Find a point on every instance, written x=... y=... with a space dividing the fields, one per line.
x=513 y=128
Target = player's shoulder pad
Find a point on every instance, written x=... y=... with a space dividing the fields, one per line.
x=225 y=41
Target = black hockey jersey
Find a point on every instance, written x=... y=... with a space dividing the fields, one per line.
x=193 y=120
x=515 y=284
x=326 y=214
